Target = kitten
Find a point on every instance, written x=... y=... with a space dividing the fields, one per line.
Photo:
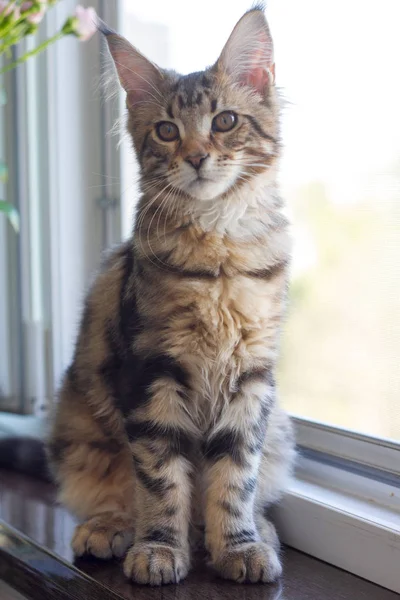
x=167 y=417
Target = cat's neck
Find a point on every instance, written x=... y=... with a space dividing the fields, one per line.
x=241 y=213
x=227 y=236
x=244 y=214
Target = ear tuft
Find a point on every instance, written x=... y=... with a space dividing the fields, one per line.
x=248 y=55
x=139 y=77
x=104 y=28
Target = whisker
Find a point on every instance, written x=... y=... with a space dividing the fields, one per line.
x=159 y=263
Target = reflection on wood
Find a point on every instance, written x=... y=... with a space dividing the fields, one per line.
x=34 y=572
x=30 y=506
x=8 y=593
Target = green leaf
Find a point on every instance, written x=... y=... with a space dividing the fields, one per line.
x=11 y=213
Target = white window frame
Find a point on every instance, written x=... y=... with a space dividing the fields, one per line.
x=367 y=451
x=343 y=506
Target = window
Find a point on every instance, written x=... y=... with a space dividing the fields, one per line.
x=64 y=179
x=341 y=179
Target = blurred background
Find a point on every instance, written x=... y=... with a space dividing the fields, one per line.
x=74 y=185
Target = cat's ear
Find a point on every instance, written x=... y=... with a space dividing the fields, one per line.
x=139 y=77
x=248 y=55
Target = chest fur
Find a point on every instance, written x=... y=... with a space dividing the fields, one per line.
x=224 y=328
x=219 y=317
x=233 y=328
x=231 y=311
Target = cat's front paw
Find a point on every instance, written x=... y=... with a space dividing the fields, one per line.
x=103 y=536
x=252 y=563
x=156 y=565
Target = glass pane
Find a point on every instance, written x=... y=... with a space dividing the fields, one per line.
x=341 y=178
x=336 y=62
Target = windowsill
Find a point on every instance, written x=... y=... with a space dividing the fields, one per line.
x=357 y=534
x=358 y=516
x=21 y=425
x=46 y=563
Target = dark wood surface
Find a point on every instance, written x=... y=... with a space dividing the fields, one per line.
x=36 y=560
x=8 y=593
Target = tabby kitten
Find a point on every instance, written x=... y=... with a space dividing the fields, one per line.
x=167 y=418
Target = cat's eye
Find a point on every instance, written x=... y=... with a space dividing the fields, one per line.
x=225 y=121
x=166 y=131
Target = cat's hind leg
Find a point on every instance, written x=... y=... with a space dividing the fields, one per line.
x=92 y=465
x=274 y=473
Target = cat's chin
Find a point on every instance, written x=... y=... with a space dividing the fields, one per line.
x=202 y=189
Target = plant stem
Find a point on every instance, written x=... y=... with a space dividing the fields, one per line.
x=21 y=19
x=16 y=35
x=33 y=52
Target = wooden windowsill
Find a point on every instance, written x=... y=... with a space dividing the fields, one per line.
x=35 y=560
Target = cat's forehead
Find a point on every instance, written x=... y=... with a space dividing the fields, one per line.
x=196 y=91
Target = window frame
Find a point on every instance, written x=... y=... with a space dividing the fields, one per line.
x=342 y=529
x=343 y=504
x=370 y=453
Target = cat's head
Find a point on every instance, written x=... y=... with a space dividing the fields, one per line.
x=206 y=133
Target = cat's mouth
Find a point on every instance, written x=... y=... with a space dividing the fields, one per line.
x=201 y=180
x=205 y=188
x=205 y=183
x=200 y=177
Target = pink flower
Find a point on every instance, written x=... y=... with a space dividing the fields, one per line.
x=37 y=16
x=86 y=22
x=7 y=7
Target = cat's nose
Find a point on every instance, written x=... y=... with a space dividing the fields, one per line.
x=196 y=160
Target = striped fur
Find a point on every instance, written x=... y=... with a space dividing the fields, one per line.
x=167 y=419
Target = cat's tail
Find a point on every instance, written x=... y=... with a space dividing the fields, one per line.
x=26 y=455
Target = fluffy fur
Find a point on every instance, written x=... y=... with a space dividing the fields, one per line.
x=167 y=420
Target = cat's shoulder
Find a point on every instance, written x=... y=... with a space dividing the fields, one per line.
x=113 y=276
x=117 y=257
